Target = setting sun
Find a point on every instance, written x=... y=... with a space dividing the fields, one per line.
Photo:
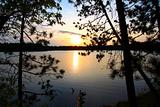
x=76 y=40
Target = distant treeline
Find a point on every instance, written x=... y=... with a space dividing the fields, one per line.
x=15 y=47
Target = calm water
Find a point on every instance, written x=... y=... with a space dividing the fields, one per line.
x=87 y=74
x=83 y=73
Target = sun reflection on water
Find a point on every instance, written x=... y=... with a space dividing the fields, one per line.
x=75 y=61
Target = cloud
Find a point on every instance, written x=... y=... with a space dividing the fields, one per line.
x=69 y=32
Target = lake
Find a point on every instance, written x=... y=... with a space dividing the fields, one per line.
x=85 y=74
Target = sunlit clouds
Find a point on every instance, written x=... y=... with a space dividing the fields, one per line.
x=66 y=38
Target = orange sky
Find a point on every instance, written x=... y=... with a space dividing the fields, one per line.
x=67 y=34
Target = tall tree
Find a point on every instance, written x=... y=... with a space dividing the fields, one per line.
x=20 y=18
x=96 y=7
x=126 y=54
x=141 y=20
x=20 y=96
x=37 y=12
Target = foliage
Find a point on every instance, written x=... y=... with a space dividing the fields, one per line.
x=44 y=65
x=36 y=13
x=151 y=65
x=8 y=91
x=141 y=20
x=97 y=24
x=81 y=98
x=142 y=17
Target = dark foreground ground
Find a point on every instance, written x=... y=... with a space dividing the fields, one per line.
x=143 y=100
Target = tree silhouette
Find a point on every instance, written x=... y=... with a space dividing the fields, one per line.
x=36 y=12
x=20 y=18
x=141 y=19
x=33 y=68
x=126 y=54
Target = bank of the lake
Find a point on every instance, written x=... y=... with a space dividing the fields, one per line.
x=146 y=99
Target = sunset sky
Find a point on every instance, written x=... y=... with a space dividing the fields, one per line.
x=67 y=34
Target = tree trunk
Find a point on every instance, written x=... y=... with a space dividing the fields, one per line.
x=126 y=55
x=156 y=4
x=3 y=20
x=20 y=96
x=150 y=85
x=109 y=21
